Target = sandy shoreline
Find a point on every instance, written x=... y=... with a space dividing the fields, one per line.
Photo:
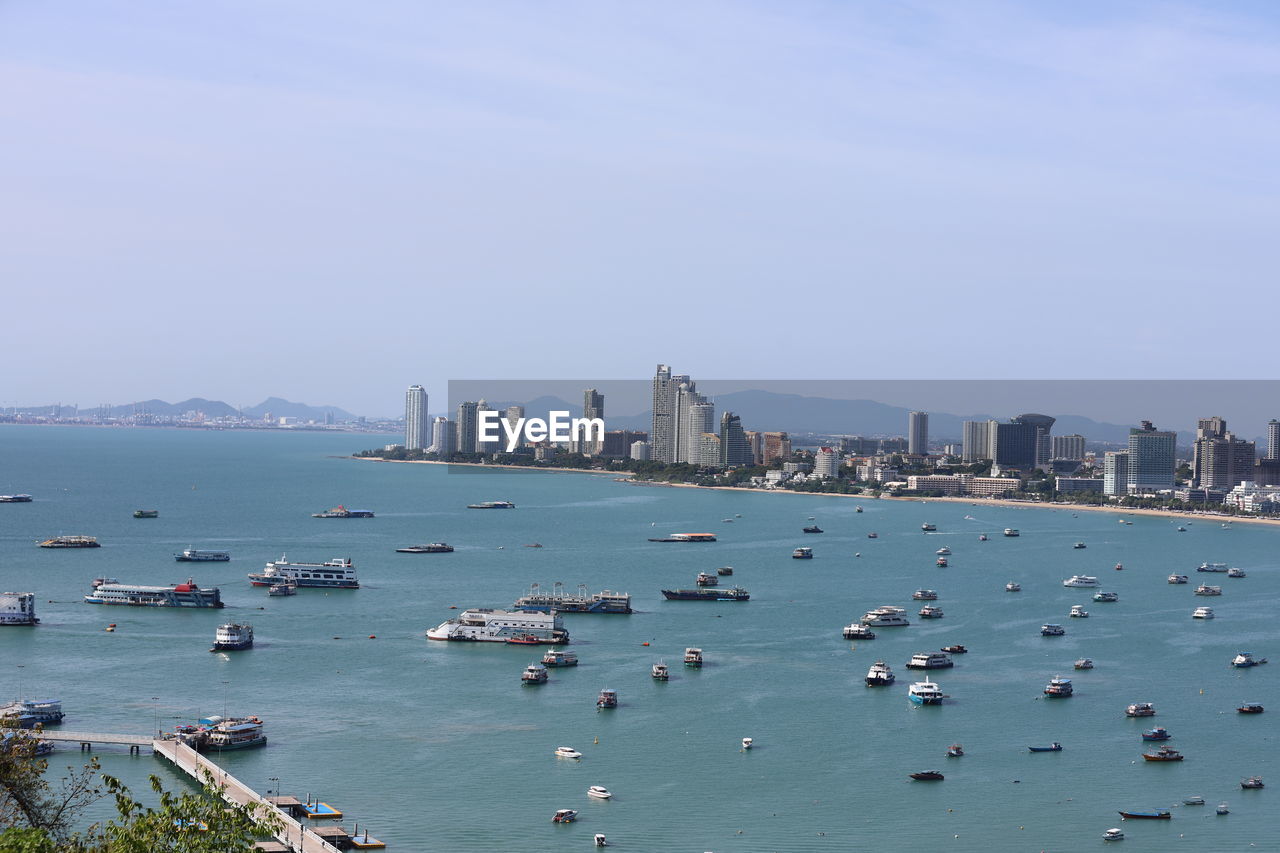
x=1119 y=510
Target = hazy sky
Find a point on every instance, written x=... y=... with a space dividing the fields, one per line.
x=329 y=201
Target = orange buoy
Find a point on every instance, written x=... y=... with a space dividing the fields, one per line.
x=644 y=644
x=112 y=625
x=372 y=637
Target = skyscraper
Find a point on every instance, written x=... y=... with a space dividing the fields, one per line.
x=977 y=441
x=1151 y=458
x=467 y=427
x=416 y=426
x=708 y=450
x=1220 y=460
x=662 y=436
x=734 y=448
x=918 y=433
x=592 y=407
x=697 y=417
x=1273 y=439
x=444 y=437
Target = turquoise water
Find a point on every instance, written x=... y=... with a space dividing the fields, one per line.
x=437 y=746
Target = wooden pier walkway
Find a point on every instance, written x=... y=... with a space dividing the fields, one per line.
x=88 y=739
x=295 y=835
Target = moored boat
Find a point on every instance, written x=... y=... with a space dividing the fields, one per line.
x=1140 y=709
x=232 y=733
x=492 y=505
x=857 y=631
x=1253 y=782
x=1052 y=630
x=560 y=601
x=930 y=660
x=175 y=595
x=1212 y=567
x=887 y=616
x=707 y=579
x=813 y=528
x=955 y=751
x=146 y=513
x=1250 y=708
x=1013 y=587
x=1053 y=747
x=1202 y=613
x=599 y=792
x=482 y=624
x=1178 y=579
x=1113 y=834
x=567 y=752
x=1106 y=596
x=341 y=511
x=724 y=571
x=1206 y=589
x=26 y=713
x=1059 y=687
x=660 y=672
x=693 y=658
x=233 y=636
x=1152 y=814
x=1078 y=612
x=1157 y=733
x=555 y=657
x=879 y=675
x=282 y=588
x=565 y=816
x=18 y=608
x=924 y=595
x=1164 y=753
x=925 y=693
x=607 y=699
x=941 y=562
x=1236 y=573
x=534 y=673
x=802 y=554
x=1244 y=660
x=339 y=573
x=931 y=612
x=1080 y=581
x=1084 y=663
x=195 y=555
x=955 y=649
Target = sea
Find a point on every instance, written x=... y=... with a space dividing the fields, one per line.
x=433 y=746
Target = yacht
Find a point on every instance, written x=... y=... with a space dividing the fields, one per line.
x=1011 y=532
x=925 y=693
x=858 y=632
x=1058 y=686
x=1140 y=709
x=1202 y=613
x=928 y=528
x=1178 y=578
x=880 y=675
x=567 y=752
x=930 y=660
x=1113 y=834
x=660 y=672
x=233 y=636
x=1212 y=567
x=534 y=673
x=885 y=617
x=558 y=658
x=338 y=573
x=802 y=554
x=195 y=555
x=1246 y=659
x=1084 y=663
x=924 y=595
x=1078 y=612
x=1080 y=581
x=1205 y=589
x=482 y=624
x=1013 y=587
x=931 y=612
x=1052 y=630
x=693 y=658
x=607 y=699
x=175 y=595
x=943 y=551
x=18 y=608
x=707 y=579
x=1105 y=596
x=599 y=792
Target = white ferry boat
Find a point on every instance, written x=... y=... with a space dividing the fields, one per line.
x=339 y=573
x=1205 y=589
x=1081 y=581
x=18 y=608
x=880 y=675
x=1202 y=613
x=885 y=617
x=1236 y=573
x=233 y=636
x=927 y=660
x=929 y=611
x=195 y=555
x=925 y=693
x=175 y=595
x=485 y=625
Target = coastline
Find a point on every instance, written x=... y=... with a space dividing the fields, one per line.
x=628 y=476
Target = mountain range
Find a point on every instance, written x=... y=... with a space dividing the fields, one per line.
x=278 y=407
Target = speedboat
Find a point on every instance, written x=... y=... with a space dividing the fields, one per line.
x=943 y=551
x=927 y=776
x=600 y=840
x=924 y=595
x=565 y=816
x=1236 y=573
x=955 y=751
x=1052 y=630
x=1053 y=747
x=1193 y=801
x=1253 y=782
x=1158 y=733
x=534 y=673
x=567 y=752
x=1113 y=834
x=928 y=528
x=1164 y=753
x=1246 y=659
x=600 y=792
x=747 y=743
x=1140 y=709
x=660 y=671
x=1078 y=612
x=1250 y=708
x=880 y=675
x=1058 y=686
x=858 y=632
x=1080 y=581
x=1205 y=589
x=1084 y=663
x=1013 y=587
x=813 y=528
x=873 y=535
x=1079 y=545
x=1202 y=613
x=1178 y=579
x=930 y=660
x=1106 y=596
x=1119 y=567
x=931 y=612
x=982 y=537
x=925 y=693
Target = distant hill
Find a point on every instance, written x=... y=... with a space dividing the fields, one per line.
x=281 y=408
x=278 y=407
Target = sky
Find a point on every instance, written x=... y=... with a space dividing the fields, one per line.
x=331 y=201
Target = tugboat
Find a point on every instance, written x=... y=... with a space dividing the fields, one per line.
x=534 y=673
x=233 y=636
x=880 y=675
x=608 y=699
x=660 y=672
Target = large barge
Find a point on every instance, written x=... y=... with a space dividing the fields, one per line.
x=560 y=601
x=338 y=573
x=111 y=591
x=707 y=593
x=486 y=625
x=687 y=537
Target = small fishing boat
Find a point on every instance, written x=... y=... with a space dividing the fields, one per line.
x=1250 y=708
x=1193 y=801
x=1164 y=753
x=567 y=752
x=1084 y=663
x=802 y=554
x=565 y=816
x=955 y=751
x=1140 y=709
x=1158 y=733
x=1113 y=834
x=660 y=671
x=1222 y=809
x=1053 y=747
x=928 y=776
x=607 y=699
x=1253 y=782
x=1152 y=814
x=1013 y=587
x=956 y=649
x=813 y=528
x=599 y=792
x=941 y=562
x=747 y=743
x=725 y=571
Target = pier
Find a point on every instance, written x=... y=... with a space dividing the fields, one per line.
x=88 y=739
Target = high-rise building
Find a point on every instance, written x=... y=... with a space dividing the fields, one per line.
x=696 y=416
x=776 y=445
x=444 y=437
x=467 y=427
x=1115 y=472
x=708 y=454
x=755 y=440
x=918 y=433
x=1067 y=447
x=976 y=437
x=640 y=451
x=617 y=442
x=734 y=449
x=1220 y=460
x=662 y=437
x=826 y=462
x=1273 y=439
x=1151 y=458
x=592 y=407
x=417 y=429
